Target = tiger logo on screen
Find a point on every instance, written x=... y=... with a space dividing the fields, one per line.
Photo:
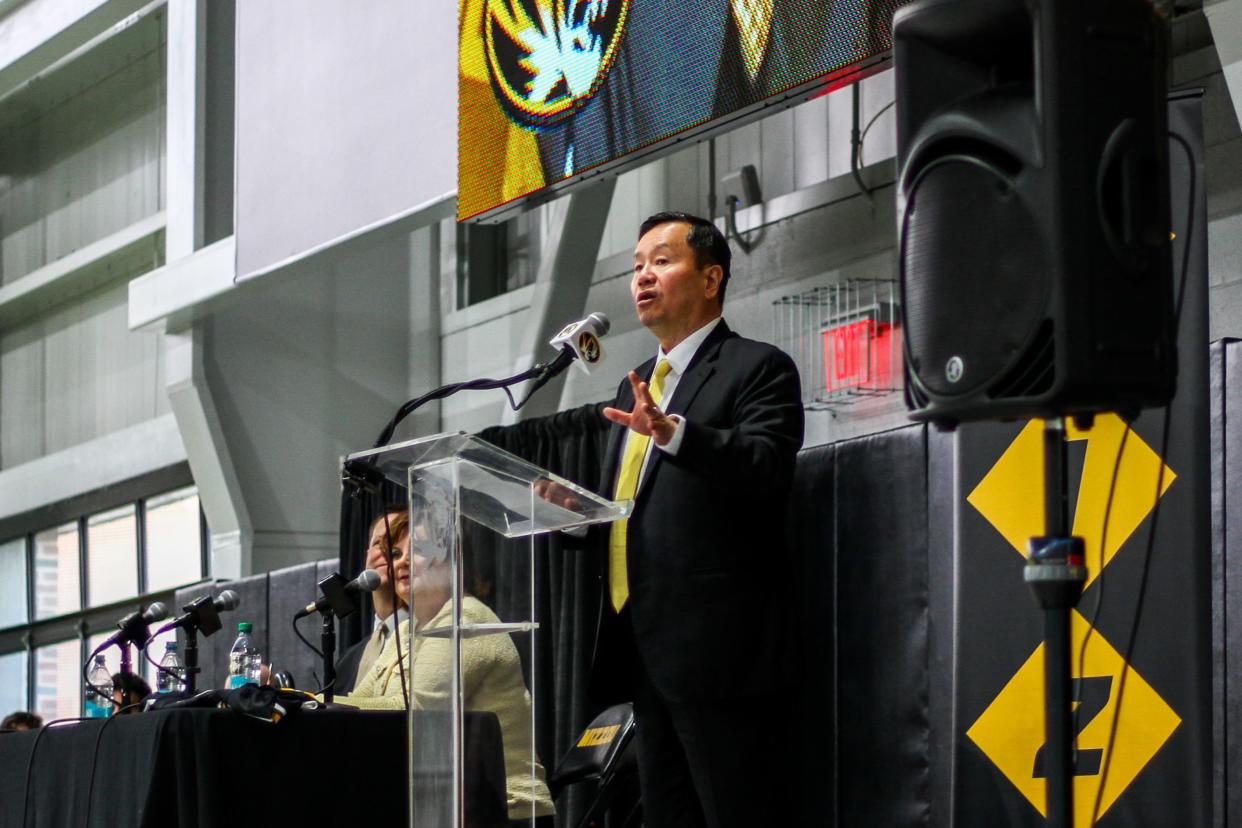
x=547 y=58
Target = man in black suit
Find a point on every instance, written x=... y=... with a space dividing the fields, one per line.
x=694 y=619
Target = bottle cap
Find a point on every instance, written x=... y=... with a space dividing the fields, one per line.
x=170 y=647
x=244 y=627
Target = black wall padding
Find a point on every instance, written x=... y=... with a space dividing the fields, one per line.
x=859 y=533
x=812 y=531
x=289 y=590
x=268 y=601
x=1226 y=383
x=882 y=625
x=941 y=645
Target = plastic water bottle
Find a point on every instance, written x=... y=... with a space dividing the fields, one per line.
x=99 y=704
x=172 y=672
x=242 y=658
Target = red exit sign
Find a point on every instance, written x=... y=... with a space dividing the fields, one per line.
x=858 y=355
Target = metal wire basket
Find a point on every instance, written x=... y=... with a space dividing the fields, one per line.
x=845 y=339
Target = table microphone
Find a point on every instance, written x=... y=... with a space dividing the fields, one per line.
x=336 y=594
x=133 y=627
x=203 y=613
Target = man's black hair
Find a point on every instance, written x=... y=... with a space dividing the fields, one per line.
x=21 y=720
x=709 y=245
x=129 y=683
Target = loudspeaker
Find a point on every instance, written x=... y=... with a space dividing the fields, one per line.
x=1033 y=208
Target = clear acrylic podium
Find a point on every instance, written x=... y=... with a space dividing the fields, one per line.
x=474 y=513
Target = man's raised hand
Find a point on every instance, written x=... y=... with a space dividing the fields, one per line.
x=646 y=417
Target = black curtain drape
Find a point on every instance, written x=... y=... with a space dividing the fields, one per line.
x=567 y=583
x=567 y=570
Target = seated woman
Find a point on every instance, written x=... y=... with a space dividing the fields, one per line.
x=491 y=672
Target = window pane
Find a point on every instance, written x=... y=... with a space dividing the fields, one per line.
x=12 y=583
x=12 y=682
x=174 y=542
x=58 y=679
x=56 y=571
x=112 y=554
x=112 y=655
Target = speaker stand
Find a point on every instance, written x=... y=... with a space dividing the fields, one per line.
x=1055 y=572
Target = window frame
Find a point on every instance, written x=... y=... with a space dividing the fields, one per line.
x=87 y=622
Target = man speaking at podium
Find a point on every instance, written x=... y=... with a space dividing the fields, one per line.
x=694 y=618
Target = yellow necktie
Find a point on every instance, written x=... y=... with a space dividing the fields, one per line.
x=627 y=485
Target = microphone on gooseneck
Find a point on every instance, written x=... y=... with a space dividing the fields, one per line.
x=134 y=627
x=203 y=613
x=581 y=340
x=338 y=595
x=578 y=341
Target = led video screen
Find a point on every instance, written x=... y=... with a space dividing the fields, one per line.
x=551 y=91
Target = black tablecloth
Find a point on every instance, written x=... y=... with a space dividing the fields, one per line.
x=204 y=768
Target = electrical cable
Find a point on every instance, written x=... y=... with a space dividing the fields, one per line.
x=314 y=649
x=146 y=653
x=1099 y=589
x=392 y=593
x=305 y=641
x=1145 y=570
x=862 y=138
x=90 y=785
x=856 y=146
x=30 y=760
x=443 y=391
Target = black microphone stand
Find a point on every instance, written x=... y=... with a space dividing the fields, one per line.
x=127 y=660
x=1055 y=572
x=359 y=476
x=191 y=658
x=327 y=642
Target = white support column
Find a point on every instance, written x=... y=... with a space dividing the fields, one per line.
x=425 y=368
x=207 y=450
x=184 y=150
x=561 y=287
x=206 y=447
x=1225 y=18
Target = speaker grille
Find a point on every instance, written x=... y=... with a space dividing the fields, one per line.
x=974 y=276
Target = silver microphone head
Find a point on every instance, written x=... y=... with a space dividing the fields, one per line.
x=602 y=325
x=156 y=612
x=368 y=580
x=227 y=600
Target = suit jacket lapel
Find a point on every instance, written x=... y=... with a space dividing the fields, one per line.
x=616 y=434
x=701 y=367
x=697 y=373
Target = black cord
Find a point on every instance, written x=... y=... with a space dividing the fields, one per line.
x=392 y=594
x=304 y=640
x=30 y=761
x=1145 y=571
x=862 y=139
x=146 y=653
x=314 y=649
x=1099 y=589
x=856 y=148
x=443 y=391
x=90 y=785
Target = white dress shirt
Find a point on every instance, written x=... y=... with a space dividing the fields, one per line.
x=679 y=360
